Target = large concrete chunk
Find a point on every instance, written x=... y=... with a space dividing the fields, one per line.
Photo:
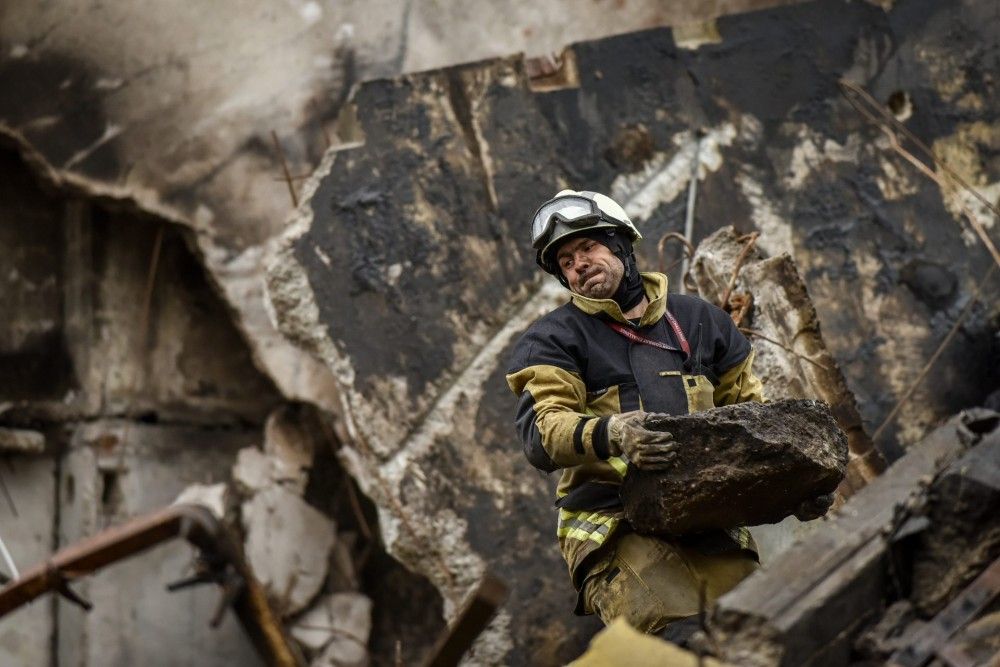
x=738 y=465
x=288 y=545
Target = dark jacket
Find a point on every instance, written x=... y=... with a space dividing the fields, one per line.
x=570 y=371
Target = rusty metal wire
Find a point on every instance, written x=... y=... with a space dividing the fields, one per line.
x=937 y=353
x=752 y=332
x=943 y=175
x=749 y=241
x=661 y=247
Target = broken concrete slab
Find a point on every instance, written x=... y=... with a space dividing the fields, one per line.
x=738 y=465
x=21 y=441
x=792 y=359
x=342 y=617
x=773 y=619
x=288 y=545
x=963 y=535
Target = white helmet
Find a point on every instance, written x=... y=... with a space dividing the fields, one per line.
x=570 y=212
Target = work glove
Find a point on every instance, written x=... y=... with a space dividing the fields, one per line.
x=633 y=434
x=814 y=508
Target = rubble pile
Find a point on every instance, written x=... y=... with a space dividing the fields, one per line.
x=304 y=562
x=907 y=570
x=743 y=464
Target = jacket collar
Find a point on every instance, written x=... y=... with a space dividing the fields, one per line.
x=655 y=285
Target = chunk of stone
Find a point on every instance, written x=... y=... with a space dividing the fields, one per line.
x=212 y=497
x=288 y=545
x=21 y=441
x=255 y=471
x=792 y=358
x=742 y=464
x=343 y=620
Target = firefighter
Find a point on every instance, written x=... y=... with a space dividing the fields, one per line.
x=590 y=378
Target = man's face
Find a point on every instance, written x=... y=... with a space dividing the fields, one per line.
x=590 y=268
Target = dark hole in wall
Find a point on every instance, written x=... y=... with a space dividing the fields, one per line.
x=111 y=492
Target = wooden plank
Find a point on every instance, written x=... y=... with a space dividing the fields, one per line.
x=811 y=593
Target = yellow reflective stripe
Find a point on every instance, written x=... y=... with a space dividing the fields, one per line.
x=583 y=515
x=582 y=535
x=583 y=525
x=619 y=464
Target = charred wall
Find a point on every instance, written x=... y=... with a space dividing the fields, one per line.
x=428 y=215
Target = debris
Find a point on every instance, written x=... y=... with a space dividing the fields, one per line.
x=212 y=497
x=218 y=553
x=21 y=441
x=255 y=471
x=792 y=358
x=343 y=620
x=742 y=464
x=962 y=609
x=976 y=644
x=964 y=530
x=288 y=545
x=841 y=572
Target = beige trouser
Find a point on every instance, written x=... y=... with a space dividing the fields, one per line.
x=652 y=582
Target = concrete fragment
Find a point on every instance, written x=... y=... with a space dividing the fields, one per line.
x=210 y=496
x=288 y=546
x=255 y=471
x=343 y=618
x=21 y=441
x=775 y=619
x=742 y=464
x=792 y=358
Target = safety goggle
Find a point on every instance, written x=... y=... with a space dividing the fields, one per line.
x=570 y=210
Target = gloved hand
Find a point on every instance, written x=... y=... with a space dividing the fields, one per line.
x=630 y=434
x=814 y=508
